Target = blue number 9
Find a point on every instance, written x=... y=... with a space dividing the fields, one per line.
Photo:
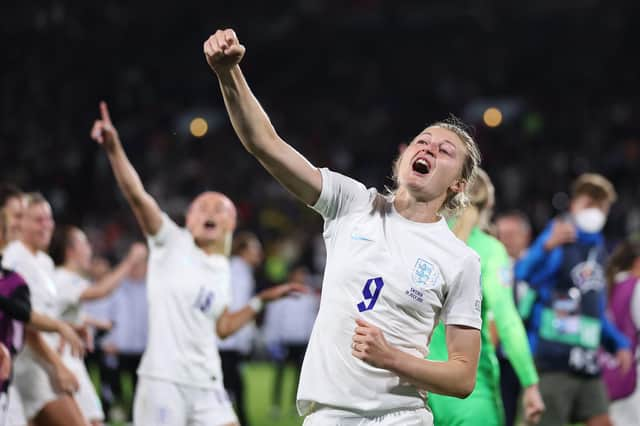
x=368 y=295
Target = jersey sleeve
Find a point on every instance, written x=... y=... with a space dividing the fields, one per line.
x=635 y=306
x=340 y=195
x=463 y=299
x=69 y=290
x=17 y=305
x=168 y=229
x=497 y=282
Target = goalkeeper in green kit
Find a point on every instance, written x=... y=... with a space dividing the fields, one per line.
x=484 y=405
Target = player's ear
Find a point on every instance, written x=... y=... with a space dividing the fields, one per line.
x=458 y=186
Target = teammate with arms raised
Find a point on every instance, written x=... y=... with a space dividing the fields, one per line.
x=188 y=289
x=394 y=269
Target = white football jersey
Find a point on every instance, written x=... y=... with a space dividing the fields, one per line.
x=70 y=286
x=399 y=275
x=187 y=291
x=38 y=271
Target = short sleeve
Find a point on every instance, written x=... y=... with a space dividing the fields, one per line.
x=635 y=306
x=69 y=290
x=463 y=300
x=341 y=195
x=168 y=229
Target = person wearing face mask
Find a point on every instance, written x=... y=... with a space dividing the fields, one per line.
x=567 y=325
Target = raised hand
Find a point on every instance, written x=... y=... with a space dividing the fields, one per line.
x=562 y=232
x=103 y=131
x=223 y=50
x=137 y=253
x=282 y=290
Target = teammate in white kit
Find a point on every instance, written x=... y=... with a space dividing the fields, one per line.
x=393 y=268
x=72 y=253
x=45 y=388
x=188 y=287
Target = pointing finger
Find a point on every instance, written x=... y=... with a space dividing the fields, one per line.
x=96 y=131
x=104 y=111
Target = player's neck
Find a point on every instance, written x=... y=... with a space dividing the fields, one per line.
x=31 y=247
x=217 y=247
x=416 y=210
x=72 y=266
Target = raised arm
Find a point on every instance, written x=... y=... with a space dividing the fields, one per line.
x=454 y=377
x=230 y=322
x=252 y=125
x=107 y=284
x=143 y=205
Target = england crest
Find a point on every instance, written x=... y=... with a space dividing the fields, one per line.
x=425 y=273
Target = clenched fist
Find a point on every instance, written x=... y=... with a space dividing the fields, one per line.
x=223 y=50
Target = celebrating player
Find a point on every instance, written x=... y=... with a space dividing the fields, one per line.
x=393 y=267
x=72 y=255
x=188 y=292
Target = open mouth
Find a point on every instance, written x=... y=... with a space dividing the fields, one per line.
x=421 y=166
x=209 y=225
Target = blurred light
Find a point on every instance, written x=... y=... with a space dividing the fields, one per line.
x=492 y=117
x=198 y=127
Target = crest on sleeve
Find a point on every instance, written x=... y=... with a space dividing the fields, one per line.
x=425 y=274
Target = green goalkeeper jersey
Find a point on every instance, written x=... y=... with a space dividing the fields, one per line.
x=497 y=304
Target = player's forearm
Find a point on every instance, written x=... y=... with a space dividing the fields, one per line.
x=128 y=180
x=230 y=322
x=38 y=321
x=45 y=353
x=249 y=120
x=455 y=377
x=107 y=284
x=516 y=346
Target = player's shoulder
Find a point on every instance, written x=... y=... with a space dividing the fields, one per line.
x=15 y=255
x=45 y=260
x=455 y=247
x=14 y=249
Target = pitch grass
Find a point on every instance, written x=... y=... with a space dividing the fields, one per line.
x=259 y=378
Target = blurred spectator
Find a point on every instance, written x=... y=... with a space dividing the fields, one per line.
x=514 y=231
x=246 y=257
x=287 y=328
x=623 y=272
x=565 y=266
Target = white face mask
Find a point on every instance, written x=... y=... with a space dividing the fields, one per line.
x=590 y=220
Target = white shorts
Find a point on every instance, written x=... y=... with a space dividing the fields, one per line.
x=32 y=382
x=86 y=397
x=164 y=403
x=15 y=412
x=331 y=417
x=4 y=407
